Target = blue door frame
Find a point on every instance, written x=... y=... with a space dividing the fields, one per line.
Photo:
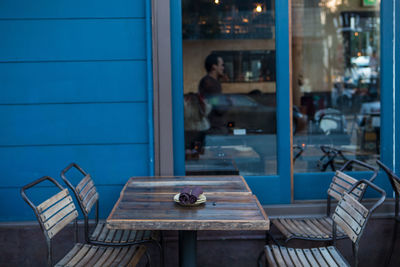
x=277 y=188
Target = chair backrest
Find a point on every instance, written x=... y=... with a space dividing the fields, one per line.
x=53 y=214
x=342 y=182
x=85 y=191
x=351 y=215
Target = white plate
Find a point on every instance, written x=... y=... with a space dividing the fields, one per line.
x=201 y=199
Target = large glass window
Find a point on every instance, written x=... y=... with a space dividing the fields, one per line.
x=229 y=86
x=336 y=94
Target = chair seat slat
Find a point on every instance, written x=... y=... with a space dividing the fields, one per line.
x=125 y=236
x=302 y=257
x=318 y=257
x=305 y=229
x=103 y=257
x=310 y=257
x=327 y=232
x=110 y=235
x=137 y=252
x=337 y=257
x=270 y=258
x=293 y=228
x=328 y=258
x=117 y=236
x=70 y=255
x=88 y=257
x=49 y=202
x=315 y=229
x=79 y=256
x=282 y=228
x=113 y=256
x=294 y=258
x=97 y=231
x=278 y=256
x=286 y=257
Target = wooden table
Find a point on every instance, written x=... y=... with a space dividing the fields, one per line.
x=146 y=203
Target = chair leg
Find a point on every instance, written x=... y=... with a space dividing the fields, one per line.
x=392 y=244
x=148 y=263
x=259 y=259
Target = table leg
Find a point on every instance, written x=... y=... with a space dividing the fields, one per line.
x=187 y=248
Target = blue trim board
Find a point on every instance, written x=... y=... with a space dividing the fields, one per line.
x=150 y=102
x=387 y=86
x=72 y=82
x=108 y=164
x=397 y=86
x=73 y=124
x=177 y=87
x=39 y=9
x=283 y=98
x=66 y=40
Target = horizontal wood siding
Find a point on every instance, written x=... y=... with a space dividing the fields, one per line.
x=71 y=82
x=73 y=87
x=39 y=9
x=64 y=124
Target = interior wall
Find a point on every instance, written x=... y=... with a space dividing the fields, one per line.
x=195 y=52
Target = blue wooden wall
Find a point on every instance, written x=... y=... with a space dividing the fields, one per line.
x=73 y=87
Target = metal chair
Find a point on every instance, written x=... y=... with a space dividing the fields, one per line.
x=319 y=228
x=395 y=182
x=350 y=215
x=55 y=213
x=87 y=197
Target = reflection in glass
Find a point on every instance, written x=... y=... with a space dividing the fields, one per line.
x=229 y=86
x=335 y=55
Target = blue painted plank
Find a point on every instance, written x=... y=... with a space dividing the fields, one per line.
x=66 y=82
x=73 y=124
x=71 y=8
x=20 y=211
x=308 y=186
x=38 y=40
x=108 y=164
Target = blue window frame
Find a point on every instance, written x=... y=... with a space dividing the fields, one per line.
x=278 y=188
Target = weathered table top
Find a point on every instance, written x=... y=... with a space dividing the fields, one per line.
x=146 y=203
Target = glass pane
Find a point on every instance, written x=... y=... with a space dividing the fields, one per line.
x=229 y=86
x=336 y=94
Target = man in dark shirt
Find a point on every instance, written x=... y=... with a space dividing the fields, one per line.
x=210 y=89
x=209 y=84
